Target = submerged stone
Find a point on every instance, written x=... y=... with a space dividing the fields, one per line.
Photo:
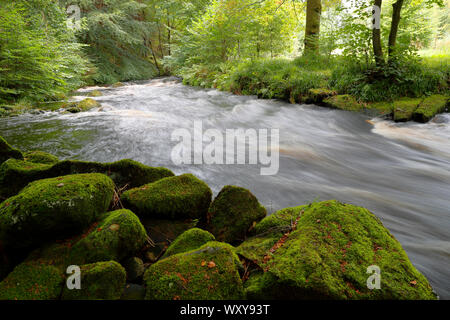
x=54 y=208
x=234 y=211
x=207 y=273
x=323 y=251
x=8 y=152
x=99 y=281
x=175 y=198
x=189 y=240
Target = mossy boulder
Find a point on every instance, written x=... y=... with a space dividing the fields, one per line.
x=16 y=174
x=180 y=197
x=118 y=235
x=322 y=251
x=53 y=208
x=99 y=281
x=189 y=240
x=430 y=107
x=404 y=108
x=95 y=93
x=207 y=273
x=117 y=85
x=32 y=281
x=40 y=157
x=88 y=104
x=8 y=152
x=233 y=212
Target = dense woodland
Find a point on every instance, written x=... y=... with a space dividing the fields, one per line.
x=271 y=48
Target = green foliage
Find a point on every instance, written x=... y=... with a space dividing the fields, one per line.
x=39 y=58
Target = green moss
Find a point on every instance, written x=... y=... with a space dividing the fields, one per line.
x=430 y=107
x=404 y=108
x=15 y=174
x=181 y=197
x=189 y=240
x=326 y=256
x=53 y=208
x=117 y=236
x=88 y=104
x=32 y=281
x=234 y=211
x=7 y=152
x=95 y=93
x=207 y=273
x=99 y=281
x=117 y=85
x=40 y=157
x=343 y=102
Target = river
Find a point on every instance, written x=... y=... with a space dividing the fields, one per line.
x=401 y=172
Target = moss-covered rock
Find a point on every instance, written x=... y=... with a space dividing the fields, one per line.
x=117 y=85
x=95 y=93
x=189 y=240
x=343 y=102
x=88 y=104
x=430 y=107
x=404 y=108
x=99 y=281
x=16 y=174
x=233 y=212
x=54 y=208
x=8 y=152
x=180 y=197
x=118 y=235
x=318 y=95
x=207 y=273
x=323 y=251
x=40 y=157
x=32 y=281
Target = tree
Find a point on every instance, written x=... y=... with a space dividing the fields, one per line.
x=312 y=30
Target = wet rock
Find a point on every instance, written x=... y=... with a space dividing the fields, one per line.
x=99 y=281
x=207 y=273
x=54 y=208
x=8 y=152
x=430 y=107
x=95 y=93
x=404 y=108
x=323 y=251
x=189 y=240
x=174 y=198
x=234 y=211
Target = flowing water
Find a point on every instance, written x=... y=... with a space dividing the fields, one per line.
x=401 y=172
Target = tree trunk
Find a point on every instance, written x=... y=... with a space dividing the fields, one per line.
x=397 y=8
x=376 y=39
x=312 y=31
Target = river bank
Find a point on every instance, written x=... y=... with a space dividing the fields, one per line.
x=324 y=154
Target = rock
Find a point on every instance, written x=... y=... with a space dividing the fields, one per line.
x=54 y=208
x=189 y=240
x=343 y=102
x=88 y=104
x=16 y=174
x=176 y=198
x=40 y=157
x=234 y=211
x=207 y=273
x=322 y=251
x=404 y=108
x=133 y=292
x=430 y=107
x=95 y=93
x=135 y=268
x=117 y=85
x=118 y=235
x=99 y=281
x=8 y=152
x=32 y=281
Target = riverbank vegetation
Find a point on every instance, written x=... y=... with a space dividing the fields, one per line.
x=269 y=48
